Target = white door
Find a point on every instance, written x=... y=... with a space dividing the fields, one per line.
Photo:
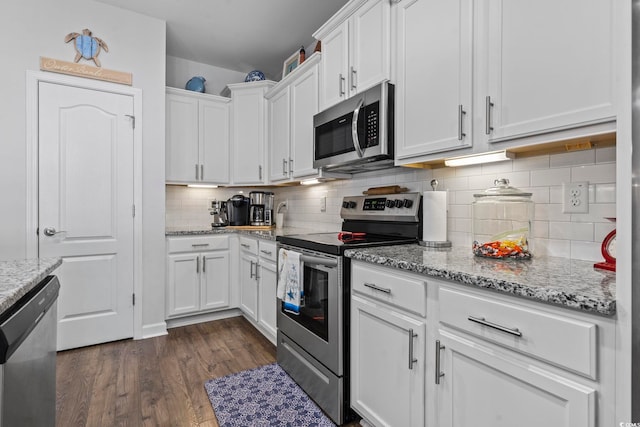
x=279 y=136
x=215 y=279
x=86 y=209
x=183 y=278
x=304 y=104
x=335 y=51
x=268 y=310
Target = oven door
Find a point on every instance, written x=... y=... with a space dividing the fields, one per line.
x=317 y=329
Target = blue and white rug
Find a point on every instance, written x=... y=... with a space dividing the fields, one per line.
x=264 y=396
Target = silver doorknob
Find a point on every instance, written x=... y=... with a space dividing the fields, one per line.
x=50 y=231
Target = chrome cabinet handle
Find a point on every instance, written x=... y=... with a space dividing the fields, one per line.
x=256 y=274
x=284 y=167
x=341 y=85
x=204 y=263
x=354 y=128
x=197 y=176
x=412 y=360
x=487 y=113
x=50 y=231
x=199 y=245
x=266 y=252
x=461 y=114
x=354 y=75
x=198 y=264
x=439 y=374
x=201 y=172
x=290 y=165
x=251 y=270
x=244 y=245
x=377 y=288
x=260 y=172
x=482 y=321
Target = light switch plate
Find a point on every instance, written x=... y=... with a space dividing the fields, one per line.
x=575 y=197
x=323 y=204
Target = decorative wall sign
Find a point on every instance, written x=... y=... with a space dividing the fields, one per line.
x=87 y=46
x=83 y=70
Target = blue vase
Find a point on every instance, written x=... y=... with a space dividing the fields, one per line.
x=196 y=84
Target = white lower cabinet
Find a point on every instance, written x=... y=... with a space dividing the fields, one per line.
x=198 y=275
x=387 y=349
x=258 y=284
x=483 y=386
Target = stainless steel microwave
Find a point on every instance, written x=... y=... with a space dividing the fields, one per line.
x=356 y=135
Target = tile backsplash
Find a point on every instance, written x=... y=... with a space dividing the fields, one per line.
x=555 y=233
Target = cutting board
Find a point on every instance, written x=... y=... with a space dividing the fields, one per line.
x=251 y=227
x=390 y=189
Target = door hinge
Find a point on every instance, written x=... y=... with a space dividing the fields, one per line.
x=133 y=211
x=133 y=299
x=133 y=120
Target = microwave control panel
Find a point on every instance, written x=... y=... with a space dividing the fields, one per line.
x=372 y=124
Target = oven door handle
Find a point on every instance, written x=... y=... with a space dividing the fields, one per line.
x=354 y=129
x=317 y=260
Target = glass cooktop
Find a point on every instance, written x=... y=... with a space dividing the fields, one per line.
x=337 y=242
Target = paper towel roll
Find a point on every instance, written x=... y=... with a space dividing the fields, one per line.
x=434 y=216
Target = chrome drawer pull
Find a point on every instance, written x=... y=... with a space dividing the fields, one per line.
x=488 y=104
x=244 y=245
x=266 y=252
x=412 y=360
x=482 y=321
x=199 y=245
x=439 y=374
x=461 y=114
x=377 y=288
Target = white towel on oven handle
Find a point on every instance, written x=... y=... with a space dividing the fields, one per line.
x=290 y=280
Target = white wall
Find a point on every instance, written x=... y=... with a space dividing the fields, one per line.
x=179 y=71
x=576 y=236
x=33 y=28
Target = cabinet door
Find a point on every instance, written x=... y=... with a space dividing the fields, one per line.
x=335 y=57
x=214 y=141
x=549 y=65
x=482 y=387
x=384 y=390
x=249 y=285
x=369 y=46
x=182 y=138
x=433 y=89
x=279 y=136
x=248 y=136
x=267 y=297
x=183 y=284
x=304 y=105
x=215 y=280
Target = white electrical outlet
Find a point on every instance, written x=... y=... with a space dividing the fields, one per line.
x=323 y=204
x=575 y=197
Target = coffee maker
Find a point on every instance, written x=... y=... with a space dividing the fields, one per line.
x=256 y=207
x=269 y=219
x=238 y=210
x=218 y=211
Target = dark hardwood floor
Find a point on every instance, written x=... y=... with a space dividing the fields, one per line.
x=158 y=381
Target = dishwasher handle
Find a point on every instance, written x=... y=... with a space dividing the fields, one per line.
x=22 y=317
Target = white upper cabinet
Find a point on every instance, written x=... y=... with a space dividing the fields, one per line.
x=248 y=131
x=292 y=105
x=547 y=66
x=471 y=75
x=197 y=133
x=355 y=50
x=434 y=68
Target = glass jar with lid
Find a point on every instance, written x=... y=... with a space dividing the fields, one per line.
x=501 y=222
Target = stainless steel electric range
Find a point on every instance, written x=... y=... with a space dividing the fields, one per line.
x=313 y=345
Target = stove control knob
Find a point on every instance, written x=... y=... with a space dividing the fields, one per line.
x=345 y=205
x=352 y=204
x=408 y=203
x=398 y=203
x=390 y=203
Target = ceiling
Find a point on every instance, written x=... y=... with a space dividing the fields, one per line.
x=240 y=35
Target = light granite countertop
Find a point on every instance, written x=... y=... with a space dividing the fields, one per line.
x=560 y=281
x=262 y=234
x=19 y=277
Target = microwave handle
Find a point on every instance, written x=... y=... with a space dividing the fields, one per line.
x=354 y=129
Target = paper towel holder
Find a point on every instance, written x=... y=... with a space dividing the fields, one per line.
x=439 y=244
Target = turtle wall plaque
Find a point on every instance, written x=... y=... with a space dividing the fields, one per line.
x=87 y=46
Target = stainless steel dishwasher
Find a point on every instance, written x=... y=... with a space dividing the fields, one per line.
x=28 y=358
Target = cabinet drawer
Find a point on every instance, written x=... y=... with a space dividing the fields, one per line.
x=564 y=341
x=268 y=250
x=390 y=286
x=248 y=244
x=197 y=244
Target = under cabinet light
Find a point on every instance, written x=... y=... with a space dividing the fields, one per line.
x=474 y=159
x=202 y=186
x=311 y=181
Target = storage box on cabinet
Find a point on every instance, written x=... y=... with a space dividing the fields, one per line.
x=559 y=340
x=406 y=292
